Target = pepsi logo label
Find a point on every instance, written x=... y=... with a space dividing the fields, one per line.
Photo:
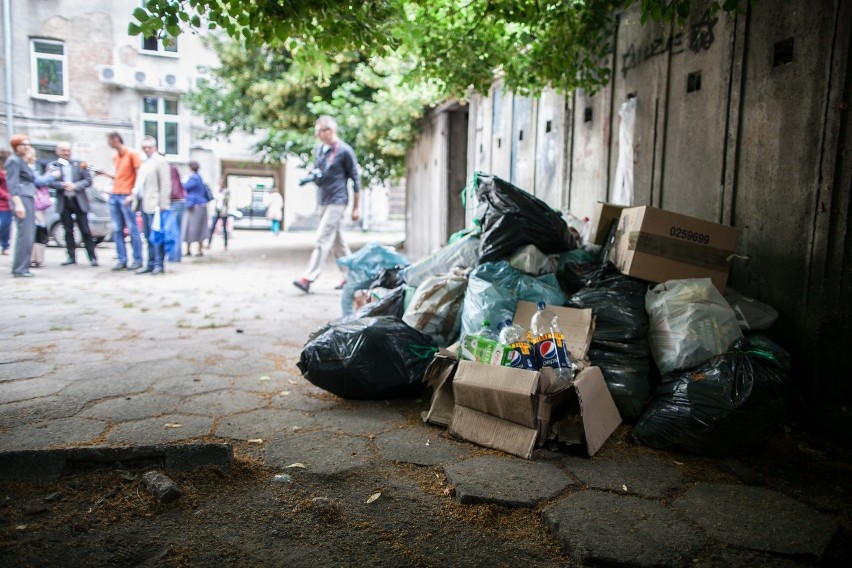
x=547 y=349
x=515 y=359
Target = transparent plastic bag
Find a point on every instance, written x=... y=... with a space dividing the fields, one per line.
x=436 y=306
x=689 y=322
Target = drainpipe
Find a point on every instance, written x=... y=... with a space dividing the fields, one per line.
x=7 y=35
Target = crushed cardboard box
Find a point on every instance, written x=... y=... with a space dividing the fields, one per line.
x=657 y=245
x=505 y=408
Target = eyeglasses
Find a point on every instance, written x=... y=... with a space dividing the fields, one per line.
x=24 y=144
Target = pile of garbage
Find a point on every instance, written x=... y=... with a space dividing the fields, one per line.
x=554 y=299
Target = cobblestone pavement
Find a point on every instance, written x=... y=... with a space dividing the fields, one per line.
x=92 y=359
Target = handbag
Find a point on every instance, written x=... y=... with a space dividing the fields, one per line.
x=41 y=200
x=207 y=193
x=41 y=235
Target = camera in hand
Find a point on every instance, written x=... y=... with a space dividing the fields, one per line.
x=315 y=174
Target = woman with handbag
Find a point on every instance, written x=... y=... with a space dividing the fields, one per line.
x=21 y=181
x=41 y=203
x=195 y=219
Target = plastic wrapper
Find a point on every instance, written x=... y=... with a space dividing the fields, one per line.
x=511 y=218
x=363 y=267
x=370 y=358
x=530 y=260
x=389 y=278
x=689 y=322
x=751 y=314
x=494 y=289
x=392 y=304
x=436 y=306
x=727 y=406
x=620 y=341
x=463 y=252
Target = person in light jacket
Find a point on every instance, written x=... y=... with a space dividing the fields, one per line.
x=154 y=190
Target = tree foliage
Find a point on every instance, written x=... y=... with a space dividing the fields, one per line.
x=263 y=88
x=375 y=64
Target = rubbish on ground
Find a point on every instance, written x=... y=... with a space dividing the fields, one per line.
x=172 y=425
x=726 y=406
x=689 y=322
x=436 y=306
x=549 y=346
x=255 y=441
x=161 y=486
x=373 y=498
x=264 y=378
x=462 y=253
x=362 y=268
x=370 y=359
x=530 y=260
x=751 y=314
x=297 y=465
x=282 y=478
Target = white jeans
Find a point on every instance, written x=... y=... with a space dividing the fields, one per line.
x=328 y=237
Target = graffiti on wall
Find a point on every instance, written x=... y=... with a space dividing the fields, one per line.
x=700 y=38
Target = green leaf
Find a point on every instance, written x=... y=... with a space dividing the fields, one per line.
x=140 y=14
x=133 y=29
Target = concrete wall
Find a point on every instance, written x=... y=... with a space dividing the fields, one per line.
x=741 y=120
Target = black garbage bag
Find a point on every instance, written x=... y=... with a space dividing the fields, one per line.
x=391 y=305
x=389 y=278
x=370 y=358
x=513 y=218
x=620 y=340
x=727 y=406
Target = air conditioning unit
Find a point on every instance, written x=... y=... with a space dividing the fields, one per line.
x=169 y=81
x=107 y=74
x=139 y=77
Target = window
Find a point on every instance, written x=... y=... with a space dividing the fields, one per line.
x=48 y=70
x=165 y=45
x=160 y=120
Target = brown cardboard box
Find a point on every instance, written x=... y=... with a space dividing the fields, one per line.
x=439 y=377
x=657 y=245
x=502 y=408
x=602 y=217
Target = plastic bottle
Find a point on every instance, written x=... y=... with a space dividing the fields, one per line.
x=549 y=346
x=520 y=353
x=486 y=331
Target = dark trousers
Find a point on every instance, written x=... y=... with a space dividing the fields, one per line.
x=70 y=212
x=215 y=219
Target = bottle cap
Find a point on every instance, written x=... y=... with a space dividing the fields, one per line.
x=541 y=305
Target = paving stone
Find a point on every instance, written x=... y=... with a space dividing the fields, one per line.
x=16 y=370
x=17 y=356
x=300 y=400
x=191 y=384
x=152 y=431
x=186 y=457
x=361 y=420
x=38 y=410
x=29 y=388
x=506 y=480
x=100 y=388
x=134 y=407
x=643 y=475
x=74 y=430
x=31 y=465
x=758 y=519
x=263 y=423
x=323 y=453
x=222 y=403
x=419 y=446
x=621 y=530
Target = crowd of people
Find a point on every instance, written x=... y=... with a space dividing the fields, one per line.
x=174 y=212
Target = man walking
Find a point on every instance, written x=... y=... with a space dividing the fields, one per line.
x=72 y=202
x=334 y=166
x=154 y=189
x=126 y=163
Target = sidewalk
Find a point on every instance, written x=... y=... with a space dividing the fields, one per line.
x=207 y=353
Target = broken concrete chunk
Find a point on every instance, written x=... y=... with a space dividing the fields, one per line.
x=161 y=487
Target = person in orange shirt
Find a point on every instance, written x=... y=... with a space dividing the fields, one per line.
x=126 y=162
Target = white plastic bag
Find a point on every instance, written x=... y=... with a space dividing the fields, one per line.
x=463 y=252
x=689 y=322
x=436 y=306
x=530 y=260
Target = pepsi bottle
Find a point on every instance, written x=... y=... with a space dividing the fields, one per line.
x=520 y=353
x=549 y=346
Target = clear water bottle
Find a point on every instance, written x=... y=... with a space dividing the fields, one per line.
x=486 y=331
x=549 y=346
x=520 y=354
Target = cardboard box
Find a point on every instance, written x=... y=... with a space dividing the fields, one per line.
x=577 y=325
x=602 y=218
x=502 y=408
x=657 y=245
x=439 y=377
